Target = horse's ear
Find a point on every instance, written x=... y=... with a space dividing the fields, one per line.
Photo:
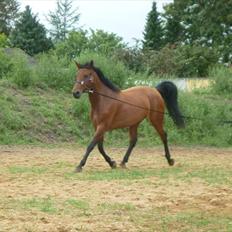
x=91 y=63
x=77 y=64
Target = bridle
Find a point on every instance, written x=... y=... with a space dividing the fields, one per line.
x=83 y=82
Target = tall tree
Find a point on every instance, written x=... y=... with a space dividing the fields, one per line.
x=206 y=23
x=153 y=33
x=173 y=29
x=63 y=20
x=29 y=34
x=8 y=13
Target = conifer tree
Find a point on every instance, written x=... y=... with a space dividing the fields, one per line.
x=153 y=33
x=8 y=13
x=63 y=20
x=29 y=34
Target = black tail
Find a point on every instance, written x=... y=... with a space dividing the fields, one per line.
x=168 y=91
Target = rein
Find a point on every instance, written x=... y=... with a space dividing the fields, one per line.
x=91 y=91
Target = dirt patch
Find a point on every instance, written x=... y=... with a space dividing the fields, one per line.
x=40 y=192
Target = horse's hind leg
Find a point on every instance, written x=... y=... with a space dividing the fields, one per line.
x=112 y=163
x=157 y=122
x=133 y=141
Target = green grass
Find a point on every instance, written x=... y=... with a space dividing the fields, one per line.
x=77 y=204
x=27 y=170
x=45 y=205
x=194 y=221
x=117 y=206
x=46 y=116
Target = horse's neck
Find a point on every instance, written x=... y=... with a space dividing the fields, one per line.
x=100 y=99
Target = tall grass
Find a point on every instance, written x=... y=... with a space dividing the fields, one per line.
x=222 y=83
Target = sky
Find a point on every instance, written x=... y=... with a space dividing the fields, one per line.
x=126 y=18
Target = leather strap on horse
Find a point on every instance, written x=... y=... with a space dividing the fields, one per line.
x=91 y=91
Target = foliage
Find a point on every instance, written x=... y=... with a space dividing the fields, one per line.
x=63 y=20
x=21 y=72
x=29 y=34
x=54 y=72
x=153 y=31
x=3 y=41
x=181 y=60
x=5 y=64
x=207 y=23
x=222 y=80
x=173 y=29
x=161 y=62
x=132 y=57
x=194 y=60
x=76 y=42
x=104 y=42
x=8 y=14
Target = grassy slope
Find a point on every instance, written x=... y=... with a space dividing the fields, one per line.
x=36 y=116
x=40 y=116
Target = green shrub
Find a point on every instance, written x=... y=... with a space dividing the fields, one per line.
x=54 y=72
x=3 y=41
x=5 y=64
x=222 y=80
x=161 y=62
x=182 y=61
x=73 y=45
x=21 y=72
x=194 y=60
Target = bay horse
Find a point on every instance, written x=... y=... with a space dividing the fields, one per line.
x=113 y=108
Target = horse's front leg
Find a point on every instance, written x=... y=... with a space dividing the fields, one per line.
x=97 y=137
x=111 y=162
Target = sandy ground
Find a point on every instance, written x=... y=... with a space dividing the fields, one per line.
x=40 y=192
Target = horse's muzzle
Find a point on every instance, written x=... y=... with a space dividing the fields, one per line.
x=77 y=94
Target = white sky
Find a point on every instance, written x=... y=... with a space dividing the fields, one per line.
x=126 y=18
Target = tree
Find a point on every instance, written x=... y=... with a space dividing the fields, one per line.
x=63 y=20
x=153 y=33
x=29 y=34
x=8 y=13
x=76 y=42
x=104 y=42
x=173 y=29
x=205 y=23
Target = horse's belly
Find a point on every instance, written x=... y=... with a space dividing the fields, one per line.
x=127 y=118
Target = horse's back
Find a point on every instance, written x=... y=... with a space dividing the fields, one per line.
x=146 y=94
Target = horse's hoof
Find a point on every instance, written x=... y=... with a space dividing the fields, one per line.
x=78 y=169
x=171 y=162
x=123 y=165
x=113 y=164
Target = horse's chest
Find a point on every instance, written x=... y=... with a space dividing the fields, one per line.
x=98 y=117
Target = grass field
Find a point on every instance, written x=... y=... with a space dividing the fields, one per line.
x=40 y=192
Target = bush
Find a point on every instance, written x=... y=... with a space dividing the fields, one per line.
x=21 y=72
x=222 y=80
x=73 y=45
x=5 y=64
x=161 y=62
x=181 y=61
x=54 y=72
x=3 y=41
x=194 y=60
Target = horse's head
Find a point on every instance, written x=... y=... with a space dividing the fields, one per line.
x=84 y=80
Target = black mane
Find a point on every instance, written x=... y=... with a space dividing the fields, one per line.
x=102 y=77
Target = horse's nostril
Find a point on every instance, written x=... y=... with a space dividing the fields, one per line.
x=76 y=94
